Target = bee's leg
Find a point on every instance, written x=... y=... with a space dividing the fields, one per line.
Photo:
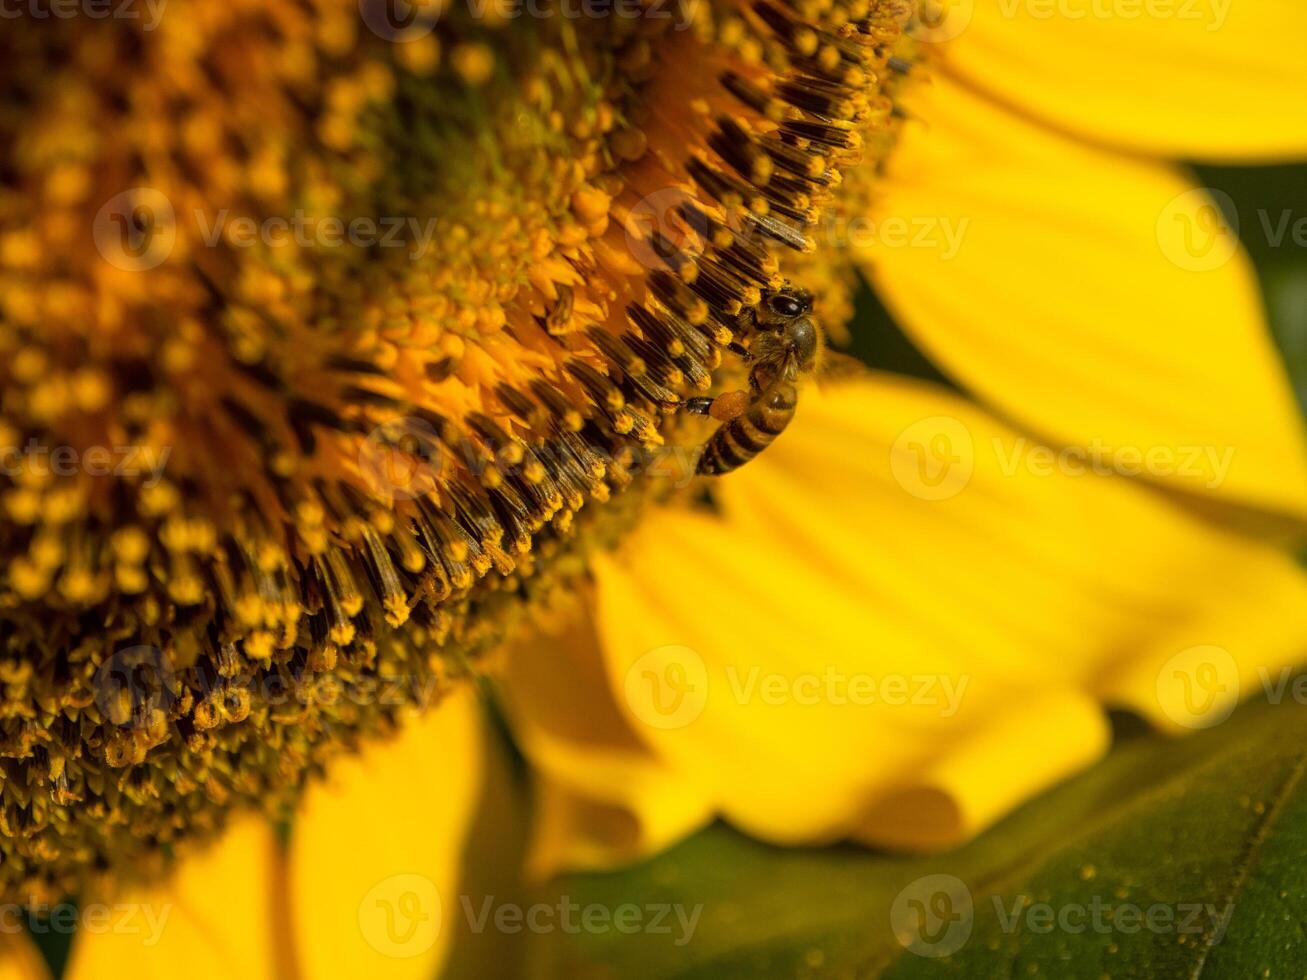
x=747 y=320
x=730 y=405
x=726 y=406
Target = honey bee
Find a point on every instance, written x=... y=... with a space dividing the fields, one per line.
x=788 y=344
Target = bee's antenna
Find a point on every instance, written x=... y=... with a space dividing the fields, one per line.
x=737 y=348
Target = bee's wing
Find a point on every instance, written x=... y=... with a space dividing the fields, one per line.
x=837 y=368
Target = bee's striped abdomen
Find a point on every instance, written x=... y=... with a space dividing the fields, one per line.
x=744 y=437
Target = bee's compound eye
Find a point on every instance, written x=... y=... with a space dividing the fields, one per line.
x=783 y=304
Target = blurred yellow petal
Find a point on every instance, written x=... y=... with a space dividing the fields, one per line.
x=20 y=960
x=1198 y=681
x=1097 y=300
x=375 y=851
x=573 y=831
x=900 y=622
x=1214 y=79
x=602 y=798
x=213 y=918
x=972 y=786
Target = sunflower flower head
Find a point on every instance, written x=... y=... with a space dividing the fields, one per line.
x=329 y=344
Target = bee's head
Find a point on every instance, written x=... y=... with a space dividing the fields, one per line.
x=787 y=303
x=790 y=335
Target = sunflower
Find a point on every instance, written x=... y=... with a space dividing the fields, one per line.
x=295 y=427
x=379 y=468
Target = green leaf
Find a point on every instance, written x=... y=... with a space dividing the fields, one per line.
x=1205 y=837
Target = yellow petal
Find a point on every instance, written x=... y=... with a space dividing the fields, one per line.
x=374 y=857
x=891 y=630
x=20 y=960
x=213 y=918
x=973 y=785
x=602 y=798
x=1215 y=79
x=1079 y=292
